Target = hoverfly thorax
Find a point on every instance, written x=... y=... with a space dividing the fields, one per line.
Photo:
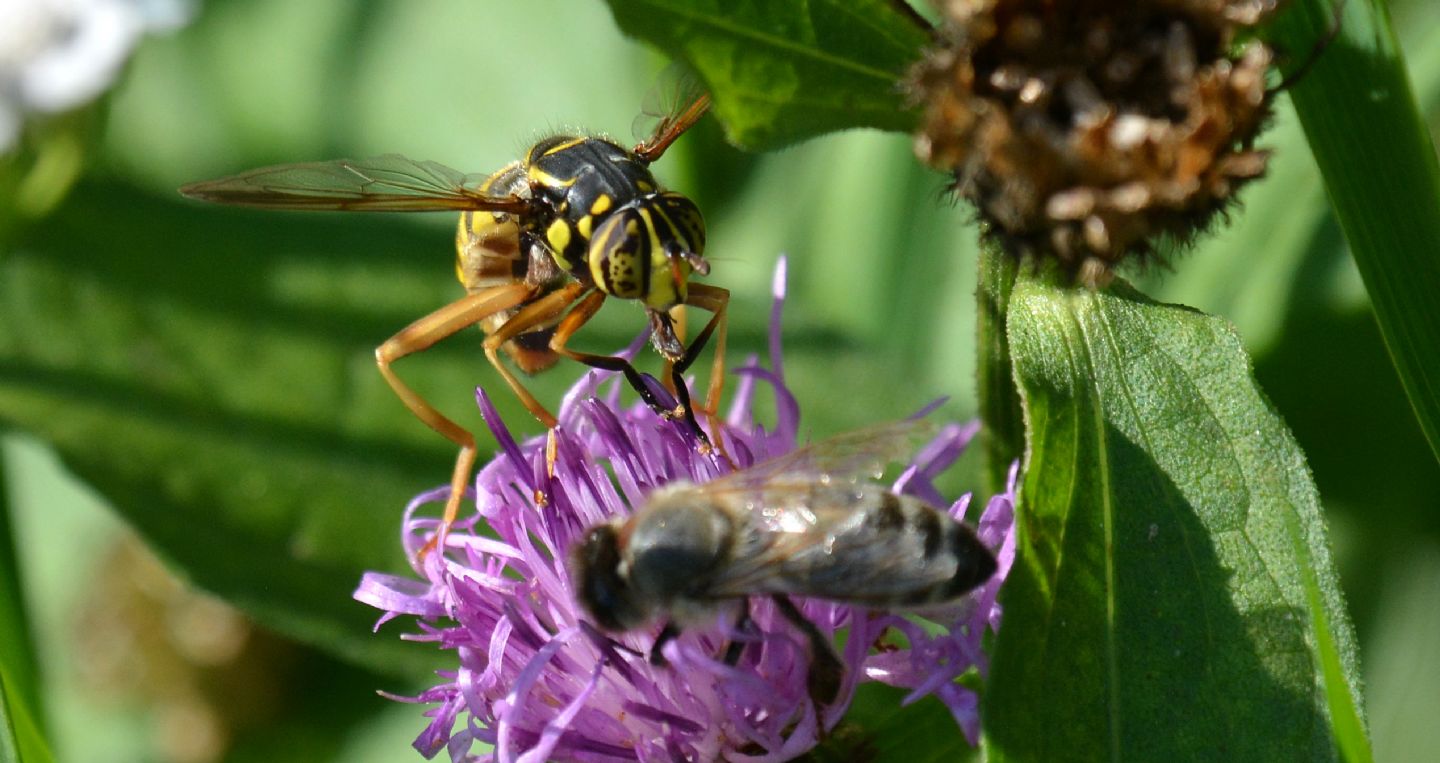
x=647 y=249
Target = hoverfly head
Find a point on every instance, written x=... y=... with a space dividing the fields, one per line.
x=647 y=249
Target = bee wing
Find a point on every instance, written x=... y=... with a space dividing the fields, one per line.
x=389 y=183
x=674 y=103
x=835 y=541
x=846 y=459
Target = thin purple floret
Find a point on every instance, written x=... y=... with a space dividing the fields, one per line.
x=535 y=681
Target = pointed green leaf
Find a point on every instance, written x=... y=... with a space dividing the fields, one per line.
x=17 y=644
x=20 y=738
x=787 y=70
x=1382 y=174
x=1157 y=609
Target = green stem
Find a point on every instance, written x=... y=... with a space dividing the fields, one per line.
x=999 y=400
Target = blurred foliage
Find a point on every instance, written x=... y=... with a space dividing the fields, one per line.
x=1391 y=217
x=210 y=370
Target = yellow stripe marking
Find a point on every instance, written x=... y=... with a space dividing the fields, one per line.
x=573 y=142
x=558 y=234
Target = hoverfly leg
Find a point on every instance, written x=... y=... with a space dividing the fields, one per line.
x=826 y=670
x=717 y=301
x=671 y=128
x=448 y=320
x=572 y=322
x=669 y=632
x=534 y=314
x=531 y=315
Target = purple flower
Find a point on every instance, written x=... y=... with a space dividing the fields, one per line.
x=536 y=681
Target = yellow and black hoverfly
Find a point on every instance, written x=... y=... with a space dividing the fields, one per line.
x=541 y=243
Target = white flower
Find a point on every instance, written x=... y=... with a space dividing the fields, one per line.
x=56 y=55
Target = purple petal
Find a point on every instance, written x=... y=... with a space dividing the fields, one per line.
x=398 y=596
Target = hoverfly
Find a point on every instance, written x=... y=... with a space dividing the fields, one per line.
x=541 y=243
x=807 y=523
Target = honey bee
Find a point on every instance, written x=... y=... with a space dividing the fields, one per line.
x=808 y=523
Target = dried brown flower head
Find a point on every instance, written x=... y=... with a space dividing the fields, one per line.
x=1086 y=130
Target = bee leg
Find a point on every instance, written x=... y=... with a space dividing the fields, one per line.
x=447 y=321
x=572 y=322
x=735 y=648
x=667 y=633
x=826 y=670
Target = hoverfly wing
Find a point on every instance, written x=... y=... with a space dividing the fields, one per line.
x=673 y=104
x=389 y=183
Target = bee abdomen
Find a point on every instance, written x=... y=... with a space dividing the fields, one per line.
x=940 y=541
x=974 y=564
x=896 y=514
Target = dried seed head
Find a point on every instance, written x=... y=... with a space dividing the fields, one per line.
x=1084 y=131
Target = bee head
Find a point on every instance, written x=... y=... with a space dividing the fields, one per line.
x=648 y=248
x=600 y=586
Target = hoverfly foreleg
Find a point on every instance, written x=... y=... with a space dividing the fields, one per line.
x=448 y=320
x=826 y=670
x=571 y=323
x=717 y=301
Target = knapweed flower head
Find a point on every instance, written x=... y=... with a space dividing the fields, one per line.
x=537 y=681
x=1084 y=132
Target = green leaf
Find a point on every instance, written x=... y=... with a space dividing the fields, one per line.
x=783 y=71
x=878 y=728
x=20 y=738
x=17 y=644
x=1157 y=608
x=1381 y=172
x=1349 y=727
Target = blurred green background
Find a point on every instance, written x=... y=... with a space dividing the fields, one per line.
x=208 y=372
